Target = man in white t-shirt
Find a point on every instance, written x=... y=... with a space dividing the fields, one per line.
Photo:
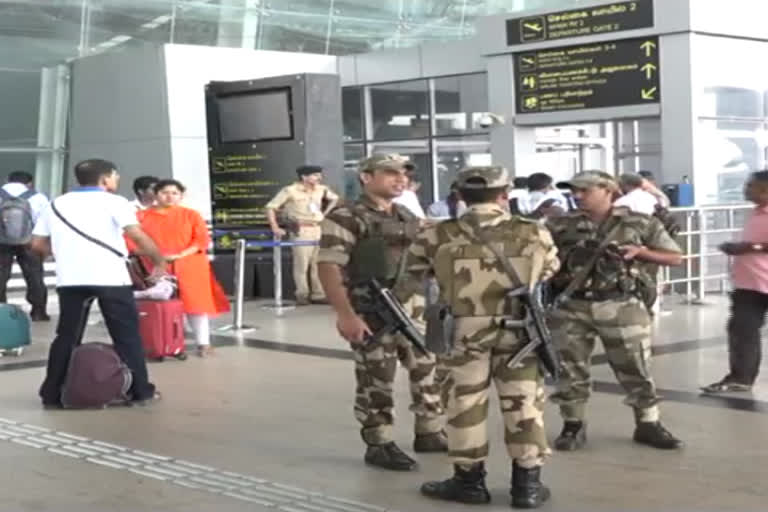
x=86 y=271
x=409 y=198
x=21 y=185
x=635 y=198
x=543 y=199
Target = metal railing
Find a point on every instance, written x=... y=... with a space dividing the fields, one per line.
x=705 y=269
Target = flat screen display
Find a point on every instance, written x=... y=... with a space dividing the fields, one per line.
x=255 y=116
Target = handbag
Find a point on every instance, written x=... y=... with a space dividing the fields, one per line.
x=136 y=270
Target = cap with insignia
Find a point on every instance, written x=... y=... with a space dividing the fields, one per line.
x=482 y=177
x=589 y=179
x=385 y=161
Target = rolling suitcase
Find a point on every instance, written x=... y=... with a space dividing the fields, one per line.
x=161 y=325
x=14 y=330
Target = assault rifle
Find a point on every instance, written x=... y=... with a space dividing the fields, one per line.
x=537 y=332
x=392 y=316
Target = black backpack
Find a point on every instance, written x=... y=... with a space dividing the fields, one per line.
x=16 y=220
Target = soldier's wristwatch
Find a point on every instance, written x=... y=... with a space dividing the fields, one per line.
x=757 y=247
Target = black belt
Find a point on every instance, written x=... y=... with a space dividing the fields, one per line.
x=600 y=296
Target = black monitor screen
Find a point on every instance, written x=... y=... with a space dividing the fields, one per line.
x=255 y=116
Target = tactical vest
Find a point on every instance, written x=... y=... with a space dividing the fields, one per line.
x=381 y=248
x=611 y=273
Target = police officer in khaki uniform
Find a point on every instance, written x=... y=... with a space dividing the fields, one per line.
x=302 y=207
x=362 y=240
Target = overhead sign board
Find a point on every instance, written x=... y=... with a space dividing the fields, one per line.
x=609 y=74
x=588 y=21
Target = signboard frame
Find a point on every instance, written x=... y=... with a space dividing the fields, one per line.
x=240 y=168
x=588 y=21
x=587 y=77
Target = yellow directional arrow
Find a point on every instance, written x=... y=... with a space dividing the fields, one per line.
x=529 y=60
x=649 y=68
x=648 y=46
x=648 y=94
x=536 y=27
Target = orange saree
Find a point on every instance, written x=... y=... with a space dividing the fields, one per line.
x=175 y=229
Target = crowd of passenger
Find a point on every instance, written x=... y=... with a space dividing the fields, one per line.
x=91 y=232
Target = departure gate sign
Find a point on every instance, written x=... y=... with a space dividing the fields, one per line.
x=588 y=21
x=609 y=74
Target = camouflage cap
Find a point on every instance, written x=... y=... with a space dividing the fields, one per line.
x=385 y=161
x=589 y=179
x=492 y=176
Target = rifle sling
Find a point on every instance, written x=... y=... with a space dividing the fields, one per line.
x=582 y=275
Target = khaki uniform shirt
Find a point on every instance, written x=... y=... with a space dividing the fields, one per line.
x=301 y=204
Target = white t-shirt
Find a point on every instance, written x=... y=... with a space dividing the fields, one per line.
x=410 y=200
x=37 y=202
x=535 y=199
x=103 y=216
x=638 y=201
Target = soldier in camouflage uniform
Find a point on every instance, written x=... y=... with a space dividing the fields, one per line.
x=611 y=303
x=474 y=285
x=363 y=240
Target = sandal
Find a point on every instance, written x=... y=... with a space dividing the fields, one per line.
x=204 y=350
x=726 y=386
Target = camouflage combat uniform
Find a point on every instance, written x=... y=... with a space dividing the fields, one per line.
x=474 y=285
x=361 y=238
x=611 y=304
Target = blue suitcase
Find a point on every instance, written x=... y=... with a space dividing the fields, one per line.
x=14 y=330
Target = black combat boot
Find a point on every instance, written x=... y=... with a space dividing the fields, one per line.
x=573 y=436
x=466 y=486
x=653 y=433
x=431 y=443
x=388 y=456
x=527 y=489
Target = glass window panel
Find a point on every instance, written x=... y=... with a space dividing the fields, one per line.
x=196 y=23
x=453 y=154
x=20 y=105
x=460 y=102
x=116 y=24
x=353 y=153
x=352 y=112
x=10 y=162
x=417 y=151
x=731 y=153
x=400 y=110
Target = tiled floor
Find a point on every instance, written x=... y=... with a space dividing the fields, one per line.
x=275 y=404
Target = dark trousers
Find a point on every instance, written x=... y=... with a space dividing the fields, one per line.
x=122 y=319
x=31 y=268
x=748 y=310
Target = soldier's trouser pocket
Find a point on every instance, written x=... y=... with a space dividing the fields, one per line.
x=375 y=368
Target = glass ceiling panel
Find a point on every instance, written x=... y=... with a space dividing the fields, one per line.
x=36 y=33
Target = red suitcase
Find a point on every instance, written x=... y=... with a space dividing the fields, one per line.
x=161 y=325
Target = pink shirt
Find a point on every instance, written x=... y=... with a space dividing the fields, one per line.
x=750 y=271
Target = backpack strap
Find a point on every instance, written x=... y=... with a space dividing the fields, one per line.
x=4 y=195
x=86 y=236
x=28 y=194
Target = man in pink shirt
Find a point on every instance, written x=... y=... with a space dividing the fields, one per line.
x=749 y=300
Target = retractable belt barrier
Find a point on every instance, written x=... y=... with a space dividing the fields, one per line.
x=279 y=305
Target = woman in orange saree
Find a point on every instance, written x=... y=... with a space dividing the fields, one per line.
x=182 y=236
